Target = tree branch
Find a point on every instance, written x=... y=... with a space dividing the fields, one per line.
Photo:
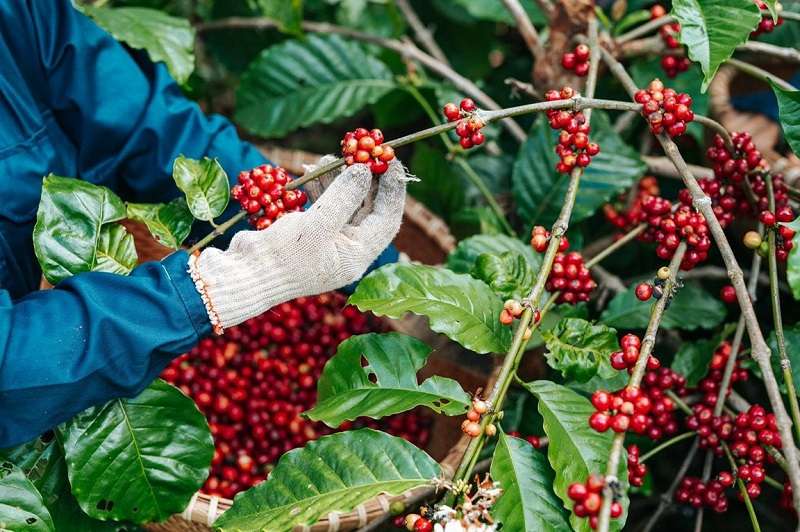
x=525 y=27
x=423 y=34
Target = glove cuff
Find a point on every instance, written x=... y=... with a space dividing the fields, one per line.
x=235 y=289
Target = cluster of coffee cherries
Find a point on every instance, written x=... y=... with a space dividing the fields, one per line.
x=540 y=237
x=655 y=384
x=665 y=109
x=363 y=146
x=636 y=470
x=574 y=148
x=695 y=492
x=709 y=385
x=254 y=382
x=569 y=275
x=668 y=228
x=672 y=64
x=577 y=60
x=711 y=430
x=766 y=25
x=628 y=355
x=625 y=217
x=621 y=411
x=783 y=233
x=645 y=291
x=588 y=497
x=415 y=523
x=472 y=425
x=469 y=123
x=754 y=429
x=262 y=193
x=513 y=309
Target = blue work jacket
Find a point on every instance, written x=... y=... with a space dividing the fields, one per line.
x=75 y=102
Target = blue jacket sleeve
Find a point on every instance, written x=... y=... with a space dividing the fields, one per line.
x=126 y=115
x=94 y=337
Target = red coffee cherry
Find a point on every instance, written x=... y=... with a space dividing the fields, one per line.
x=366 y=147
x=728 y=294
x=644 y=291
x=262 y=193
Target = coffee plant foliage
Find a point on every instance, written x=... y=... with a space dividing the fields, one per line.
x=623 y=350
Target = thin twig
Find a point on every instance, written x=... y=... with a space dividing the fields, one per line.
x=649 y=340
x=404 y=49
x=644 y=29
x=518 y=86
x=525 y=27
x=672 y=441
x=423 y=34
x=781 y=52
x=745 y=496
x=777 y=319
x=760 y=73
x=759 y=350
x=666 y=497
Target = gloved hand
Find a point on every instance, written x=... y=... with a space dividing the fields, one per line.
x=304 y=253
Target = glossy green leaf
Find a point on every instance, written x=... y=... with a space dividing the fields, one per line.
x=299 y=83
x=459 y=306
x=789 y=115
x=205 y=184
x=287 y=13
x=68 y=225
x=793 y=262
x=508 y=274
x=539 y=190
x=443 y=195
x=575 y=450
x=386 y=385
x=169 y=223
x=712 y=29
x=691 y=308
x=644 y=70
x=463 y=258
x=116 y=251
x=138 y=459
x=692 y=358
x=21 y=506
x=44 y=464
x=165 y=38
x=528 y=501
x=580 y=350
x=791 y=337
x=335 y=473
x=495 y=11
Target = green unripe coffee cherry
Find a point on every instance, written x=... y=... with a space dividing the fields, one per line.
x=763 y=249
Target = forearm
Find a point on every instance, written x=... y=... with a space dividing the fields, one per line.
x=93 y=338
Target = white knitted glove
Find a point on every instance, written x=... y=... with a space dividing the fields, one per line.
x=304 y=253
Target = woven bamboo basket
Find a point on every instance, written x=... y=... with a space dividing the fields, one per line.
x=425 y=238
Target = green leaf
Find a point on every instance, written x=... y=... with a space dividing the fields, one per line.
x=793 y=262
x=169 y=223
x=508 y=274
x=138 y=459
x=463 y=258
x=495 y=11
x=528 y=501
x=791 y=337
x=789 y=115
x=691 y=308
x=580 y=350
x=575 y=450
x=44 y=464
x=386 y=385
x=299 y=83
x=287 y=13
x=68 y=225
x=205 y=184
x=712 y=29
x=692 y=358
x=643 y=71
x=443 y=195
x=116 y=251
x=335 y=473
x=21 y=505
x=165 y=38
x=463 y=308
x=634 y=18
x=539 y=190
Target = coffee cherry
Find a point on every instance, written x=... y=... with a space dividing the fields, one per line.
x=752 y=240
x=366 y=147
x=577 y=60
x=468 y=106
x=490 y=430
x=570 y=277
x=452 y=112
x=423 y=525
x=469 y=124
x=644 y=291
x=767 y=218
x=588 y=497
x=665 y=109
x=728 y=294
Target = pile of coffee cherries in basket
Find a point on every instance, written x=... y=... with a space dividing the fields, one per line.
x=254 y=382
